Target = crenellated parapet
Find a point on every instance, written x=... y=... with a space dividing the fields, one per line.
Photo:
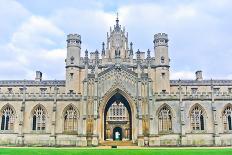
x=32 y=83
x=161 y=39
x=202 y=96
x=39 y=97
x=73 y=40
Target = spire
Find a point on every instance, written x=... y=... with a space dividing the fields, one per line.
x=86 y=56
x=96 y=57
x=103 y=48
x=148 y=54
x=86 y=53
x=131 y=48
x=117 y=26
x=117 y=20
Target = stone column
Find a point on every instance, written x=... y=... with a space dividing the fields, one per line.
x=52 y=138
x=151 y=112
x=20 y=137
x=95 y=109
x=216 y=135
x=140 y=115
x=183 y=139
x=84 y=112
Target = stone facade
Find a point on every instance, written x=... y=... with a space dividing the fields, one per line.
x=116 y=92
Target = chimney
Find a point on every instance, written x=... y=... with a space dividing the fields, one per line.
x=199 y=75
x=38 y=76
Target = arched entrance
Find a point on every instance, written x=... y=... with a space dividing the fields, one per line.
x=117 y=133
x=117 y=118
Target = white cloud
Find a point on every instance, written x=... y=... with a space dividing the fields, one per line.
x=182 y=75
x=36 y=32
x=199 y=33
x=35 y=46
x=12 y=14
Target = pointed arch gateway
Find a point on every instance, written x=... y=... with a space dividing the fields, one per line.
x=117 y=115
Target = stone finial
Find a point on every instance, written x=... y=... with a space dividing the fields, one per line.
x=96 y=57
x=148 y=54
x=96 y=54
x=86 y=53
x=117 y=26
x=103 y=48
x=131 y=48
x=38 y=76
x=86 y=56
x=199 y=76
x=138 y=54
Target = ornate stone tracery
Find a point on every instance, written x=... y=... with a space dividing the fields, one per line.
x=7 y=118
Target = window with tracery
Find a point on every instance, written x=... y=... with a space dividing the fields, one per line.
x=39 y=119
x=71 y=117
x=165 y=119
x=117 y=112
x=7 y=118
x=197 y=118
x=227 y=114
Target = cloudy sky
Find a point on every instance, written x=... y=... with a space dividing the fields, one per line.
x=33 y=33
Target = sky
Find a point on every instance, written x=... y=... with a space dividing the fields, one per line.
x=33 y=33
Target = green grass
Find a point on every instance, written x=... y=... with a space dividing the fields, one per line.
x=70 y=151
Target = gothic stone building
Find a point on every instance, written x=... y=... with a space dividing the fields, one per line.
x=118 y=91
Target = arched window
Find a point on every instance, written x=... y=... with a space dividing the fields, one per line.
x=165 y=119
x=71 y=117
x=227 y=114
x=197 y=118
x=38 y=119
x=7 y=118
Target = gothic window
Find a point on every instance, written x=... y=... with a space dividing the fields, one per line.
x=165 y=119
x=227 y=120
x=7 y=118
x=39 y=119
x=162 y=60
x=197 y=118
x=71 y=117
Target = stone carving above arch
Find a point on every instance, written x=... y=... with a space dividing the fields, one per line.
x=117 y=77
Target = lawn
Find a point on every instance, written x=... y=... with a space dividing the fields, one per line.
x=70 y=151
